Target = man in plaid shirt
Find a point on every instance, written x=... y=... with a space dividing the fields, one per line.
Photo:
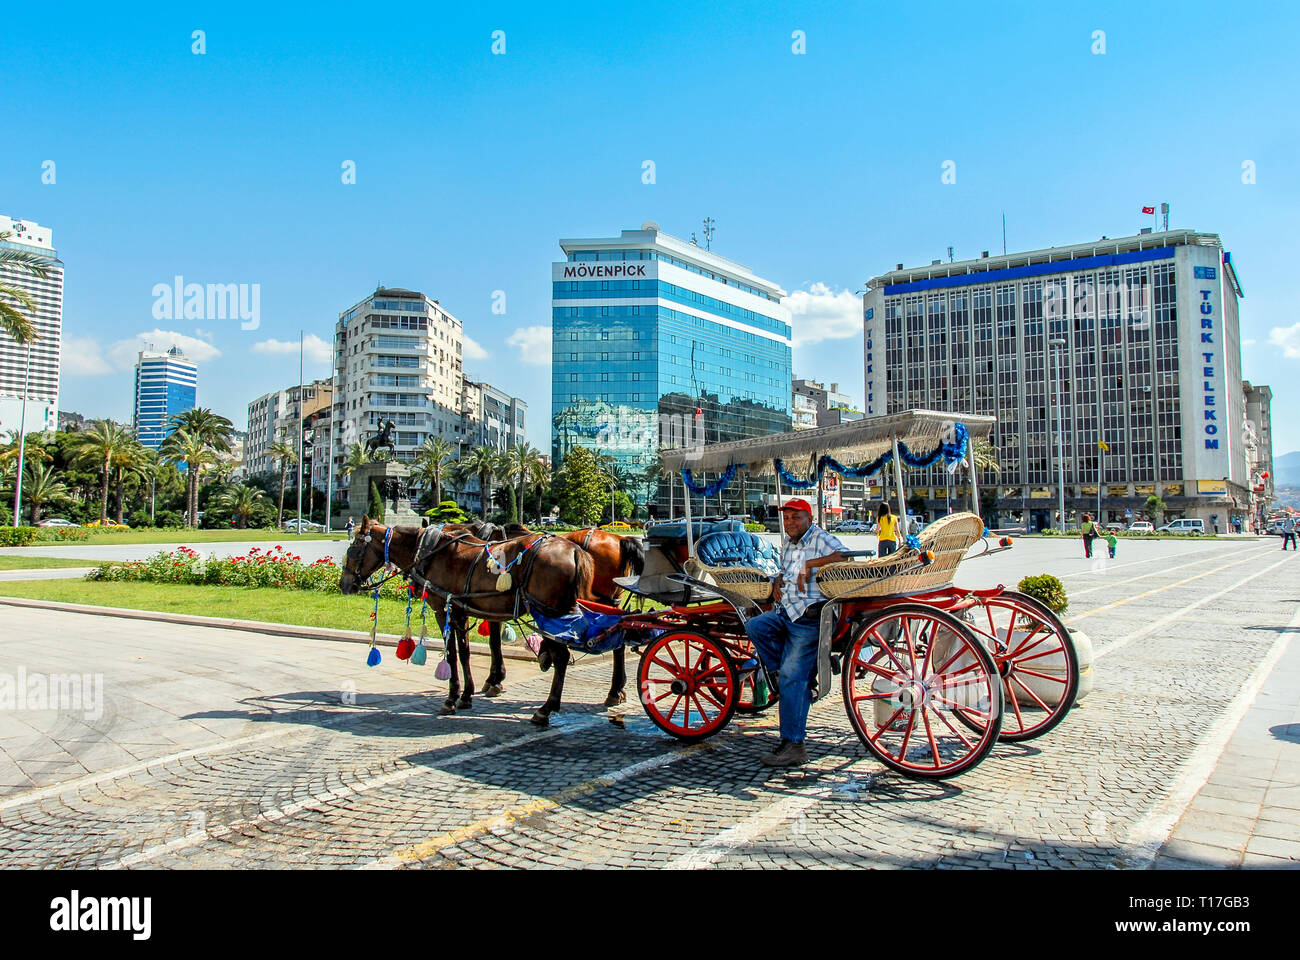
x=786 y=636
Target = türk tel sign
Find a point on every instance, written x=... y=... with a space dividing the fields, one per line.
x=1209 y=354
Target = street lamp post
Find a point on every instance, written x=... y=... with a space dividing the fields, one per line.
x=22 y=441
x=1059 y=342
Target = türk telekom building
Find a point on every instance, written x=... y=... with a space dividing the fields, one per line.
x=1150 y=365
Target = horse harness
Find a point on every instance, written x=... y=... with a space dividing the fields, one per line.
x=431 y=542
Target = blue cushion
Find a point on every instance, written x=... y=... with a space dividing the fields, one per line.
x=738 y=549
x=677 y=529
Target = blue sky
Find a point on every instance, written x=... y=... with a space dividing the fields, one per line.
x=821 y=169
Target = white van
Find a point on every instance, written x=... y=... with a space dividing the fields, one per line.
x=1185 y=525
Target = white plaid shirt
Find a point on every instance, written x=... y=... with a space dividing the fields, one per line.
x=814 y=543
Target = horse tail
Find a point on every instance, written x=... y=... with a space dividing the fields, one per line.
x=583 y=575
x=631 y=554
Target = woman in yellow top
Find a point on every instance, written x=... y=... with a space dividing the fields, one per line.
x=886 y=531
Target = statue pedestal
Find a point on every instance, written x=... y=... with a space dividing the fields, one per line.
x=385 y=474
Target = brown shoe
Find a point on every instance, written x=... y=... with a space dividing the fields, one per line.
x=786 y=755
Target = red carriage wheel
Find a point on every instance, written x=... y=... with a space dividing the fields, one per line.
x=688 y=684
x=756 y=694
x=906 y=673
x=1036 y=660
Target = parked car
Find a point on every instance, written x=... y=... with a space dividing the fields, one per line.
x=618 y=526
x=1185 y=525
x=303 y=526
x=108 y=525
x=57 y=522
x=1114 y=527
x=855 y=526
x=1141 y=526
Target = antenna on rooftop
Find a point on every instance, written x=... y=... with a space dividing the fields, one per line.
x=950 y=254
x=709 y=229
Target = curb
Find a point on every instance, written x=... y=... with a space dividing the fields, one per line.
x=249 y=626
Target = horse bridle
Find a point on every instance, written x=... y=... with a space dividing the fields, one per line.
x=388 y=539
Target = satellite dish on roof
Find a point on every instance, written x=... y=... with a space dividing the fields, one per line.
x=651 y=226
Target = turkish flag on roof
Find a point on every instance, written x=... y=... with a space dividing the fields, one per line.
x=1148 y=209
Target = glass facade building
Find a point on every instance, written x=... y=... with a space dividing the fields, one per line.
x=657 y=342
x=1150 y=365
x=166 y=384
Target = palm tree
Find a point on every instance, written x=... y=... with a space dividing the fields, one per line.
x=102 y=444
x=286 y=454
x=12 y=322
x=243 y=502
x=42 y=486
x=484 y=463
x=611 y=471
x=517 y=464
x=134 y=462
x=183 y=448
x=539 y=475
x=206 y=434
x=431 y=465
x=984 y=455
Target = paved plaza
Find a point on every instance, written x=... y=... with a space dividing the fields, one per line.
x=208 y=747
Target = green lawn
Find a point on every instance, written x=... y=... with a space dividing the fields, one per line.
x=37 y=563
x=299 y=607
x=190 y=536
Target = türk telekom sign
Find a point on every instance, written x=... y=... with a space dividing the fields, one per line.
x=604 y=270
x=1203 y=367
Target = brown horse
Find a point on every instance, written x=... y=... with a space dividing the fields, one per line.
x=459 y=572
x=612 y=556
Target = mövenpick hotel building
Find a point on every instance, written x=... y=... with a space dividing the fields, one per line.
x=659 y=342
x=1144 y=331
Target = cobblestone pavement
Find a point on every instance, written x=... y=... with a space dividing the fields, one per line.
x=216 y=748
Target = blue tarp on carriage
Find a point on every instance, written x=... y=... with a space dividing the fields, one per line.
x=585 y=630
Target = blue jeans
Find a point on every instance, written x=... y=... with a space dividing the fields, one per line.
x=885 y=547
x=788 y=648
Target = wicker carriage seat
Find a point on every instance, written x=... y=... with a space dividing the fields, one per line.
x=901 y=573
x=738 y=550
x=737 y=561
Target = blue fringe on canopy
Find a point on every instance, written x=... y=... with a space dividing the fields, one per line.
x=948 y=452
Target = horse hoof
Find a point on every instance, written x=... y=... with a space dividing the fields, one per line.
x=544 y=660
x=465 y=704
x=614 y=699
x=447 y=710
x=493 y=690
x=540 y=719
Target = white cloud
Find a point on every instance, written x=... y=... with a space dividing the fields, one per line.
x=313 y=348
x=472 y=350
x=1288 y=338
x=205 y=334
x=820 y=314
x=122 y=354
x=83 y=357
x=534 y=344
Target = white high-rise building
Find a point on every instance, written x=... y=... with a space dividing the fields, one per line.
x=32 y=373
x=397 y=356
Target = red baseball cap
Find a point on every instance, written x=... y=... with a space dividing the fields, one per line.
x=797 y=504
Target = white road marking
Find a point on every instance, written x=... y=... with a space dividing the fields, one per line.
x=746 y=831
x=1107 y=648
x=1154 y=573
x=1151 y=832
x=1133 y=563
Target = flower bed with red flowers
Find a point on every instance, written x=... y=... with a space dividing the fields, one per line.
x=275 y=567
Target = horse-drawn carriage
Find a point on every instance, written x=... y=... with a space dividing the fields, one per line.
x=931 y=674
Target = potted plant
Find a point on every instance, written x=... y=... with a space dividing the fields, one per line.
x=1049 y=591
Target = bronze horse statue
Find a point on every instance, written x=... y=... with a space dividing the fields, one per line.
x=612 y=556
x=383 y=438
x=460 y=573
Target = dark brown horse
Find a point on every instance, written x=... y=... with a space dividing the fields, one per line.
x=612 y=556
x=460 y=573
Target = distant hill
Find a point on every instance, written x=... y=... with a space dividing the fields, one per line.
x=1286 y=468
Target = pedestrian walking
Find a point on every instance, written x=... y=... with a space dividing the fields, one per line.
x=886 y=531
x=1288 y=533
x=1112 y=542
x=351 y=523
x=1089 y=531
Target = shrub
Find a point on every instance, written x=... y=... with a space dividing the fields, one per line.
x=17 y=536
x=1047 y=589
x=447 y=512
x=259 y=567
x=754 y=527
